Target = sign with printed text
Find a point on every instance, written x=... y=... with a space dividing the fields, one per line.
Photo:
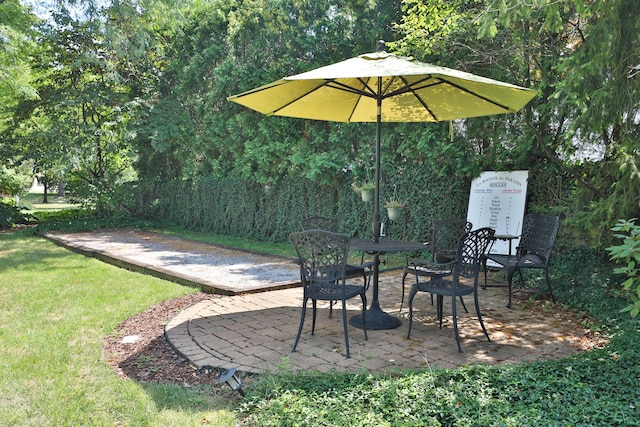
x=497 y=200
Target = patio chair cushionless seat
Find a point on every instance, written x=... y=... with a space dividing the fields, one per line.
x=534 y=250
x=466 y=265
x=323 y=259
x=443 y=244
x=331 y=224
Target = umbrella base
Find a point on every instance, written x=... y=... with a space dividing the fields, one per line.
x=376 y=319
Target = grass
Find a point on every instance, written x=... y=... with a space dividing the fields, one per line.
x=33 y=202
x=391 y=261
x=275 y=248
x=56 y=307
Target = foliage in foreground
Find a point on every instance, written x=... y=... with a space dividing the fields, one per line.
x=573 y=391
x=628 y=254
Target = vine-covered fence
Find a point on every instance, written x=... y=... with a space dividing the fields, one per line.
x=237 y=207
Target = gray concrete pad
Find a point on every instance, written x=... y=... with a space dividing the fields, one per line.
x=213 y=268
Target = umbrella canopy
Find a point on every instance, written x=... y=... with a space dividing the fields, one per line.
x=408 y=91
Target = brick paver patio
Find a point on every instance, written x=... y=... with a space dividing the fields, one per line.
x=255 y=333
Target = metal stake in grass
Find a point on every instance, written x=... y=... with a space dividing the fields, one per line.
x=229 y=376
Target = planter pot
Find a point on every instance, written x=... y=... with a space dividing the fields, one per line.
x=367 y=195
x=394 y=213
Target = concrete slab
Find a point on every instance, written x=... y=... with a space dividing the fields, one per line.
x=213 y=268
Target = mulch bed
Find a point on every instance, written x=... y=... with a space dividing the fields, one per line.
x=150 y=357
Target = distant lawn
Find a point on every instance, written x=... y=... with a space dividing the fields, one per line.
x=33 y=201
x=56 y=308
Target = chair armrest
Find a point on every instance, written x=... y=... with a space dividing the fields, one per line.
x=418 y=262
x=436 y=266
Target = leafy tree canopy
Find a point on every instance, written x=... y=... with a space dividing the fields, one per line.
x=582 y=57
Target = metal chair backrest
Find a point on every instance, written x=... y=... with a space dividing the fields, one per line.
x=322 y=255
x=539 y=234
x=320 y=223
x=471 y=248
x=445 y=237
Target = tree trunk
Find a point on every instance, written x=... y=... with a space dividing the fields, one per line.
x=61 y=187
x=45 y=184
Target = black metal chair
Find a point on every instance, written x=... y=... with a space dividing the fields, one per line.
x=443 y=244
x=364 y=269
x=323 y=259
x=466 y=265
x=537 y=240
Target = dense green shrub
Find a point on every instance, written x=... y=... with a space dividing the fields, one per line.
x=240 y=207
x=628 y=254
x=233 y=206
x=10 y=214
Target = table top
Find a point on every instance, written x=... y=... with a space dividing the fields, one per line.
x=387 y=245
x=505 y=237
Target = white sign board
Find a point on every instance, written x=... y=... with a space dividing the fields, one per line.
x=497 y=200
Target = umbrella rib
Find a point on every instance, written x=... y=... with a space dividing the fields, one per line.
x=413 y=88
x=298 y=98
x=409 y=88
x=341 y=86
x=491 y=101
x=347 y=88
x=351 y=89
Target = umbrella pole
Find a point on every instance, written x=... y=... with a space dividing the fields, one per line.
x=376 y=318
x=376 y=209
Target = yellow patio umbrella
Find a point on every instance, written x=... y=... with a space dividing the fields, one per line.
x=405 y=90
x=382 y=87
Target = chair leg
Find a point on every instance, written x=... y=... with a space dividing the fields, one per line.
x=439 y=304
x=475 y=297
x=463 y=304
x=344 y=324
x=510 y=274
x=414 y=291
x=430 y=278
x=302 y=315
x=364 y=315
x=546 y=274
x=484 y=267
x=313 y=316
x=454 y=313
x=404 y=276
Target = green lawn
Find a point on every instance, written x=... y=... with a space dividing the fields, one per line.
x=56 y=307
x=33 y=202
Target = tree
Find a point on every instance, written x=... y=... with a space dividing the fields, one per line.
x=15 y=181
x=15 y=47
x=584 y=125
x=77 y=128
x=224 y=48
